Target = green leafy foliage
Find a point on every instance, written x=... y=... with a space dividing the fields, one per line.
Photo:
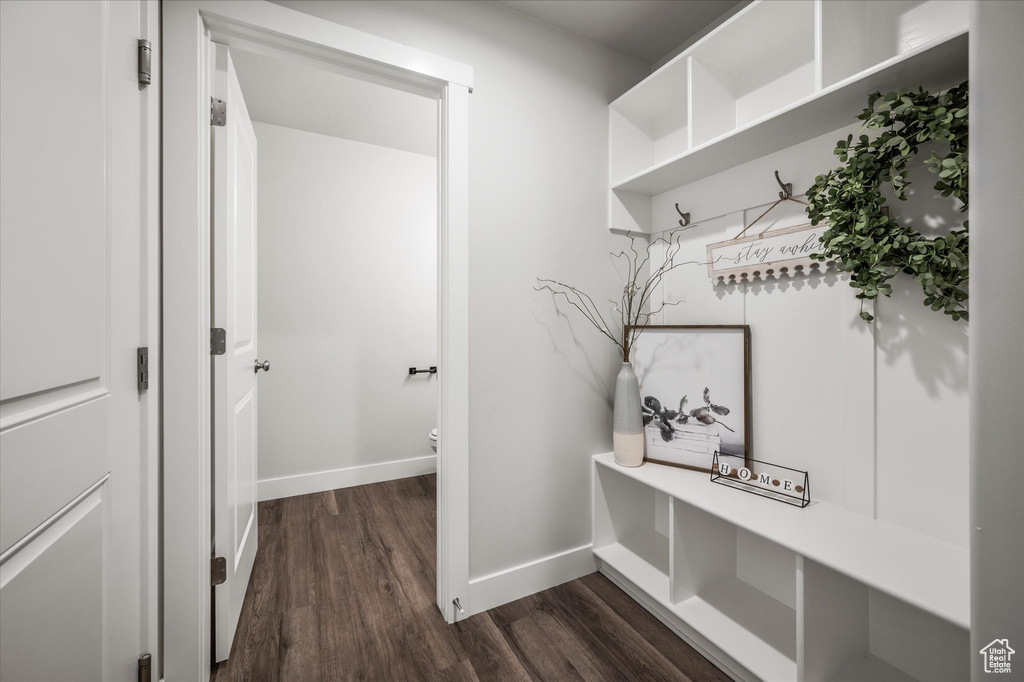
x=866 y=242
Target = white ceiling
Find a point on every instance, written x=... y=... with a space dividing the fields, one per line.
x=645 y=29
x=303 y=97
x=306 y=98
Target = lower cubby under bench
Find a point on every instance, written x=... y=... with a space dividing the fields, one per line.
x=773 y=592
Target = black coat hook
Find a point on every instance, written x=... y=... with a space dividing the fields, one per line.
x=787 y=187
x=685 y=217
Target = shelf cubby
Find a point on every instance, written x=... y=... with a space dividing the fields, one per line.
x=631 y=530
x=649 y=125
x=737 y=590
x=850 y=632
x=856 y=36
x=754 y=66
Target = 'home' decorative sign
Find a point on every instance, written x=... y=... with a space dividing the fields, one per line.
x=774 y=481
x=778 y=252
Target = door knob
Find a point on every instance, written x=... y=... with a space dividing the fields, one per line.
x=265 y=366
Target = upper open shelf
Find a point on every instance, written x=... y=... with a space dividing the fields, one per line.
x=737 y=78
x=776 y=74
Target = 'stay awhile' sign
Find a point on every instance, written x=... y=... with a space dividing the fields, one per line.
x=779 y=252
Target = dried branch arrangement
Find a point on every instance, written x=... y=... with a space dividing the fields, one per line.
x=632 y=313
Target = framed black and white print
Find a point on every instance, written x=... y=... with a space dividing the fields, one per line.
x=695 y=390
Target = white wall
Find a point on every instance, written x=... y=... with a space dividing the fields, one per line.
x=876 y=413
x=347 y=303
x=540 y=382
x=997 y=353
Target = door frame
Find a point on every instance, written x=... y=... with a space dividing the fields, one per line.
x=189 y=29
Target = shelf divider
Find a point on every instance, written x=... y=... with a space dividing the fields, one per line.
x=826 y=645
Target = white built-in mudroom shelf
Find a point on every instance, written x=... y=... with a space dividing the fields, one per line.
x=770 y=591
x=775 y=74
x=774 y=592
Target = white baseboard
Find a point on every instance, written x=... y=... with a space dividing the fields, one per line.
x=535 y=576
x=319 y=481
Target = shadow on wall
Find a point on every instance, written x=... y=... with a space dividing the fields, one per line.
x=936 y=344
x=723 y=289
x=592 y=376
x=796 y=282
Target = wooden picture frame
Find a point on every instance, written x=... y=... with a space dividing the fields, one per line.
x=689 y=360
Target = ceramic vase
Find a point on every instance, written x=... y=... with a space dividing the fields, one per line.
x=628 y=422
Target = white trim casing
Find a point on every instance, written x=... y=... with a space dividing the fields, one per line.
x=189 y=26
x=186 y=345
x=258 y=24
x=149 y=29
x=453 y=344
x=319 y=481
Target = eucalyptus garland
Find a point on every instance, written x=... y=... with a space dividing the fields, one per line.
x=866 y=242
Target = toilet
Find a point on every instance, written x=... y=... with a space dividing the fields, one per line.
x=433 y=440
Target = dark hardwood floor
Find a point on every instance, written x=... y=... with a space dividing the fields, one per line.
x=343 y=589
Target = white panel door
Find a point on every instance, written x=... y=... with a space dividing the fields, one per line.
x=234 y=373
x=71 y=317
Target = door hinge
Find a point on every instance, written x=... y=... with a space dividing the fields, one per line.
x=218 y=112
x=218 y=341
x=218 y=570
x=145 y=668
x=142 y=367
x=145 y=62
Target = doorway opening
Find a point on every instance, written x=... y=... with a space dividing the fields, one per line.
x=346 y=206
x=324 y=270
x=189 y=76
